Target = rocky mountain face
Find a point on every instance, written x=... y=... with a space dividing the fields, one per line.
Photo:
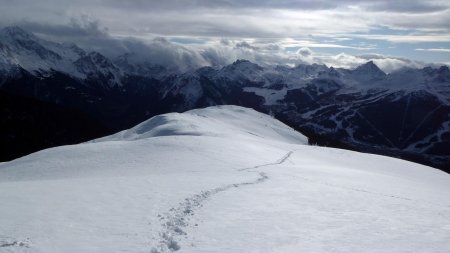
x=403 y=114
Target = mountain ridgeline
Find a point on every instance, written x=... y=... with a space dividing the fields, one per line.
x=403 y=114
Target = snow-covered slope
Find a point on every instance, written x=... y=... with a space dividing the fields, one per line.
x=221 y=179
x=19 y=48
x=222 y=121
x=23 y=49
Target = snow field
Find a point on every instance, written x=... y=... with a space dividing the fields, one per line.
x=220 y=179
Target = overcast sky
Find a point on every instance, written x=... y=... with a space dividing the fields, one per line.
x=269 y=29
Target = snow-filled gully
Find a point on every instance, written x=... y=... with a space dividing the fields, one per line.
x=179 y=217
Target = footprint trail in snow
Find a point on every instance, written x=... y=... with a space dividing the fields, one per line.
x=178 y=218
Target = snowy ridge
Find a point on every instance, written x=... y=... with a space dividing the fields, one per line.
x=221 y=121
x=220 y=179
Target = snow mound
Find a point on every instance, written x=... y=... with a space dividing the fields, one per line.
x=220 y=179
x=218 y=121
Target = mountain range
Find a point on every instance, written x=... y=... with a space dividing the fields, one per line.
x=403 y=114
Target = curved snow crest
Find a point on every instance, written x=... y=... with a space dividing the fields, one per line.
x=217 y=121
x=177 y=188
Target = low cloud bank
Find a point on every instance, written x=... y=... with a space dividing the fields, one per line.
x=199 y=52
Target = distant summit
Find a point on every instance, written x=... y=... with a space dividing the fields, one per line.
x=16 y=32
x=368 y=71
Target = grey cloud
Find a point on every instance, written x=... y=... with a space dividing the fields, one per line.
x=409 y=7
x=158 y=51
x=253 y=26
x=162 y=51
x=304 y=51
x=272 y=47
x=386 y=63
x=377 y=5
x=221 y=55
x=244 y=44
x=76 y=27
x=221 y=18
x=225 y=42
x=220 y=4
x=184 y=58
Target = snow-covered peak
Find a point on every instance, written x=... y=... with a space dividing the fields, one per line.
x=443 y=73
x=368 y=72
x=245 y=63
x=17 y=33
x=133 y=65
x=95 y=65
x=19 y=40
x=242 y=69
x=331 y=73
x=33 y=54
x=23 y=45
x=36 y=55
x=100 y=60
x=69 y=51
x=206 y=71
x=435 y=75
x=219 y=121
x=310 y=70
x=368 y=67
x=444 y=69
x=431 y=80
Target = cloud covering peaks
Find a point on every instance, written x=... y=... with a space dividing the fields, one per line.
x=215 y=31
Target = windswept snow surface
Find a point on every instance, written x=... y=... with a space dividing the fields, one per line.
x=221 y=179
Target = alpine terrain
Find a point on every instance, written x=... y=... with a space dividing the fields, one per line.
x=220 y=179
x=403 y=114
